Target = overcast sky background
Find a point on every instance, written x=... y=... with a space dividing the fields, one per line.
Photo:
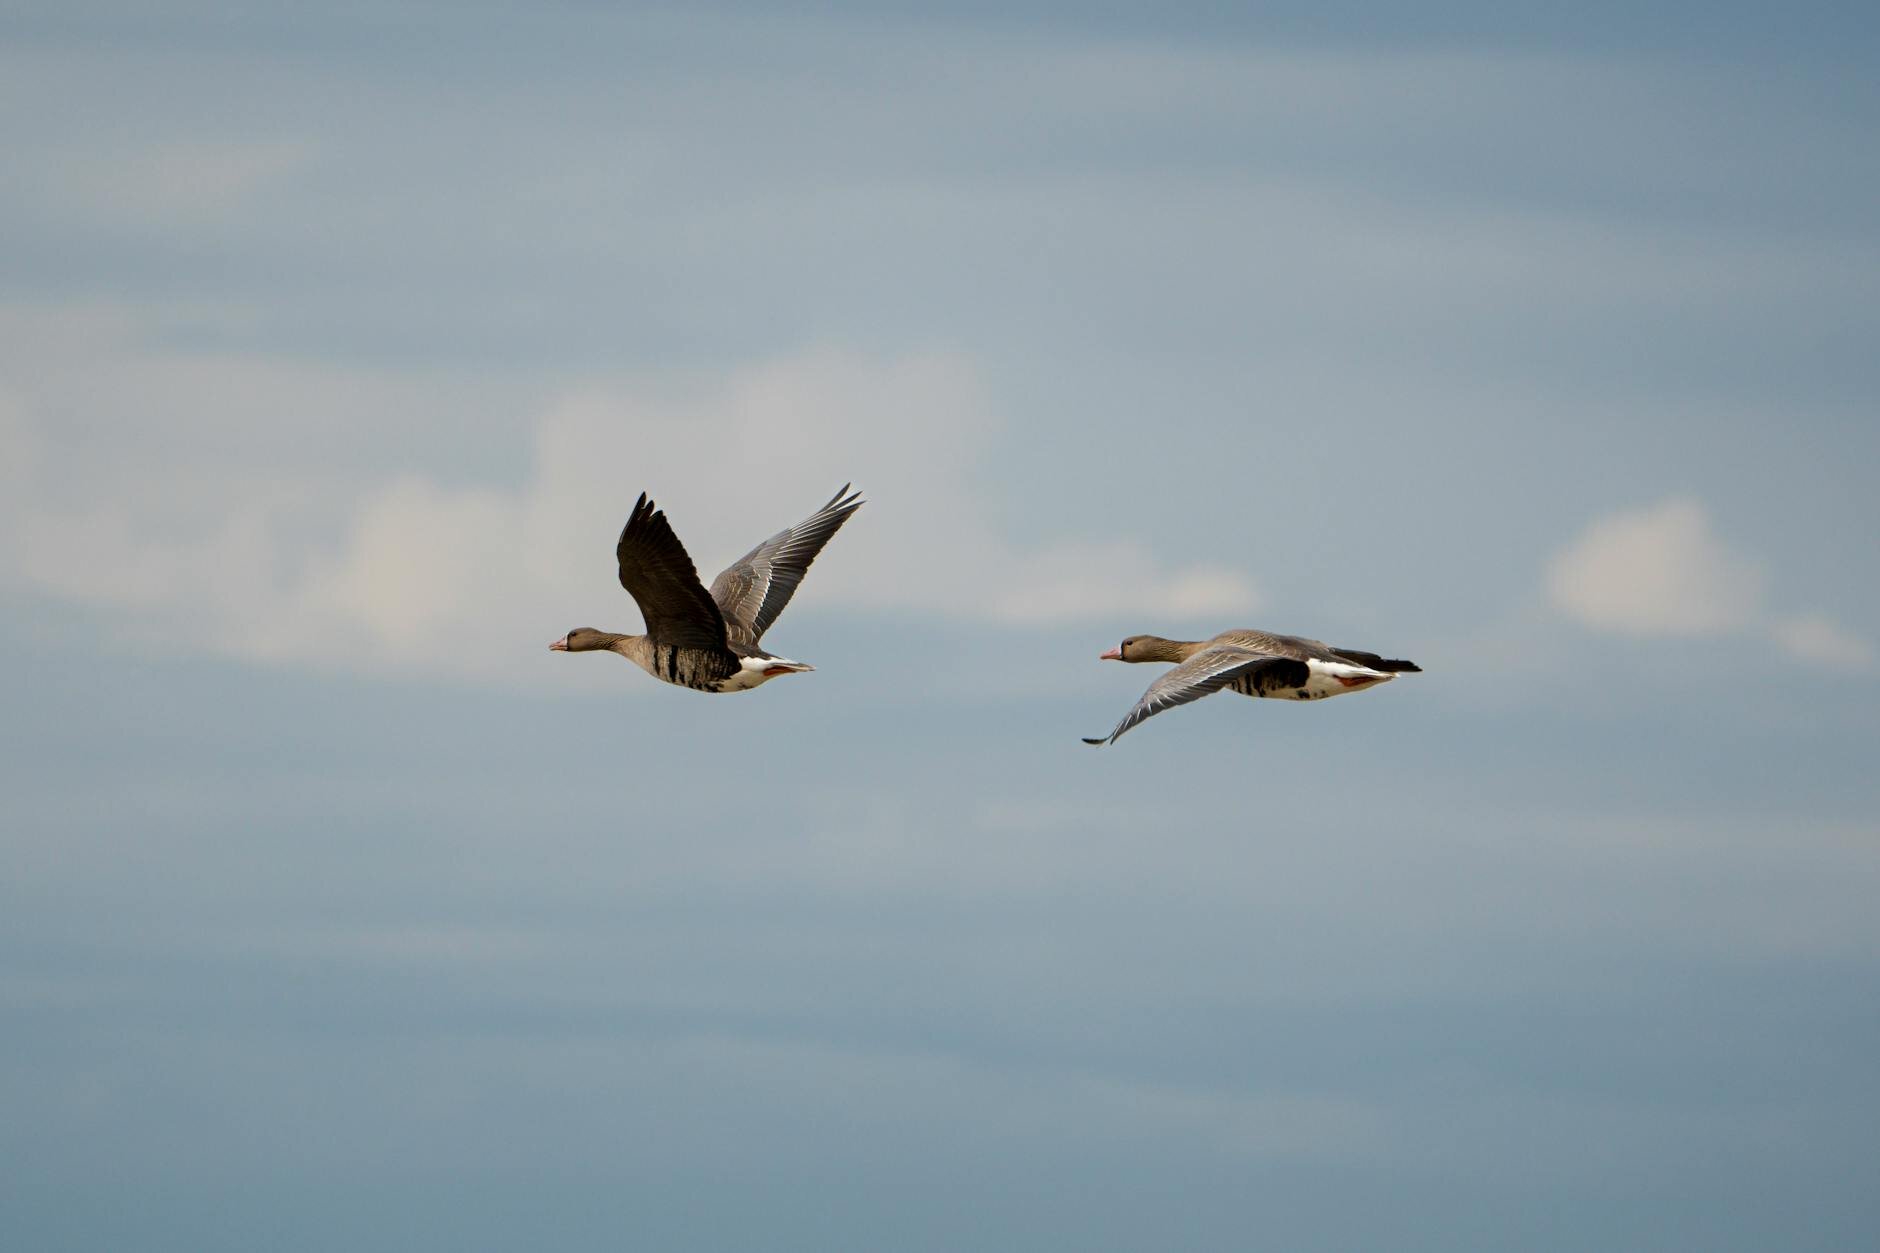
x=337 y=913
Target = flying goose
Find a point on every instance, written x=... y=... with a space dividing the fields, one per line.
x=709 y=642
x=1253 y=663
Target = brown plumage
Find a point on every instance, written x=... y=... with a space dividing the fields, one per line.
x=708 y=641
x=1253 y=663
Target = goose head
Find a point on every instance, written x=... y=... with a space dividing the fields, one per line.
x=1144 y=648
x=581 y=640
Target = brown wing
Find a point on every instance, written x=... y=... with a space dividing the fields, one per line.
x=1205 y=673
x=1312 y=650
x=656 y=571
x=1389 y=665
x=753 y=590
x=1279 y=645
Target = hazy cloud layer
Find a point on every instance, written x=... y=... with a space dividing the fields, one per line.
x=265 y=557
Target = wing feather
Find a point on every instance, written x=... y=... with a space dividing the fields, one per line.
x=1205 y=673
x=659 y=575
x=753 y=590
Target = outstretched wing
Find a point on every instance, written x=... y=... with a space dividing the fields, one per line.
x=1208 y=672
x=656 y=571
x=755 y=588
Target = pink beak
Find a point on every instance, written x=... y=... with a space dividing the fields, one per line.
x=1115 y=654
x=559 y=646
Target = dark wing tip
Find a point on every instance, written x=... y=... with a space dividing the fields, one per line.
x=1100 y=741
x=642 y=510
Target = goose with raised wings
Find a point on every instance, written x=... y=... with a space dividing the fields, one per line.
x=709 y=642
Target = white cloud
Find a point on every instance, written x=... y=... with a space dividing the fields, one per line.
x=732 y=463
x=162 y=182
x=1815 y=637
x=1661 y=571
x=1656 y=571
x=1072 y=581
x=220 y=537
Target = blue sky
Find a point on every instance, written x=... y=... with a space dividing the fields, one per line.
x=339 y=913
